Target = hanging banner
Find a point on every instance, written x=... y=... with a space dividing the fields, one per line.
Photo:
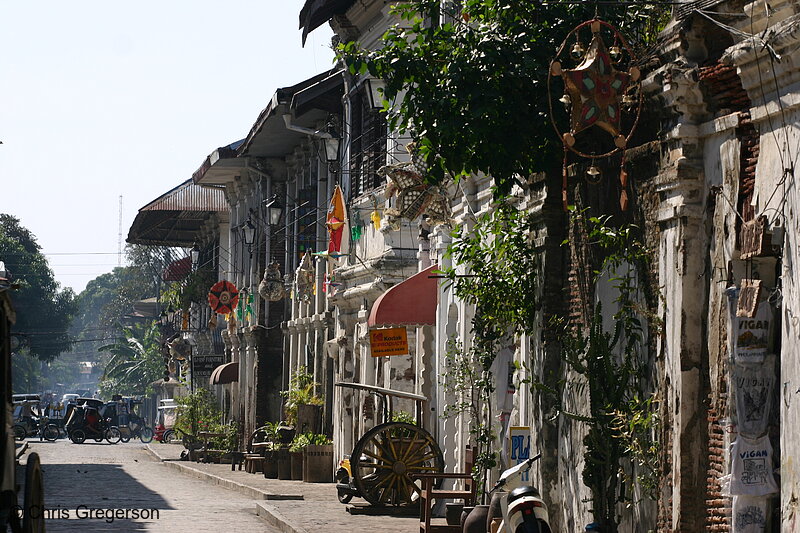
x=389 y=341
x=752 y=335
x=753 y=385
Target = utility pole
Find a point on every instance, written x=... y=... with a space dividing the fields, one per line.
x=119 y=237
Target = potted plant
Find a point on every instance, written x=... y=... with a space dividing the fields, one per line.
x=296 y=452
x=271 y=437
x=318 y=459
x=302 y=406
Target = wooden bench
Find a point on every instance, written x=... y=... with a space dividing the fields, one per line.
x=430 y=494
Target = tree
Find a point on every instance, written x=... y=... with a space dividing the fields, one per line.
x=136 y=361
x=474 y=80
x=44 y=313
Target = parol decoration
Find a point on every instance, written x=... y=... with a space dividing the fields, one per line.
x=223 y=297
x=597 y=93
x=415 y=196
x=271 y=286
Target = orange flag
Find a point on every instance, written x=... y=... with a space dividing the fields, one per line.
x=336 y=221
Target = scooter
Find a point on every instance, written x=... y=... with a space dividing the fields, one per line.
x=523 y=509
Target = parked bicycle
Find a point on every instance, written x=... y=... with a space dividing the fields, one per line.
x=33 y=426
x=137 y=429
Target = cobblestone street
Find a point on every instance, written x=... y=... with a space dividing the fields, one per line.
x=126 y=477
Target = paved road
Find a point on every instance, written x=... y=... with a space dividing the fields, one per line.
x=125 y=479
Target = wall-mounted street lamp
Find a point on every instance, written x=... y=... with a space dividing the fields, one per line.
x=275 y=209
x=332 y=149
x=249 y=231
x=375 y=89
x=195 y=254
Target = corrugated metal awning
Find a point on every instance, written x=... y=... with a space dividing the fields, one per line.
x=175 y=217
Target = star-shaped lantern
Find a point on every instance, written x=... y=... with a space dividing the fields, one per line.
x=595 y=89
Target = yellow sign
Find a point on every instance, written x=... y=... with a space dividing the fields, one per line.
x=391 y=341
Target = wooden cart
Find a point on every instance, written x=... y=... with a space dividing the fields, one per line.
x=385 y=458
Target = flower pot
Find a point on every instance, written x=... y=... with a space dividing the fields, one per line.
x=318 y=463
x=270 y=466
x=453 y=513
x=297 y=465
x=464 y=514
x=476 y=520
x=495 y=510
x=284 y=464
x=285 y=434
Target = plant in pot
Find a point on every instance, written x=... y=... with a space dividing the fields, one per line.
x=296 y=451
x=271 y=438
x=318 y=459
x=303 y=406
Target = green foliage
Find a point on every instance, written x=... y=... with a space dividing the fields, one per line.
x=301 y=391
x=192 y=289
x=475 y=81
x=301 y=441
x=468 y=380
x=197 y=412
x=44 y=311
x=622 y=425
x=500 y=254
x=405 y=417
x=230 y=439
x=135 y=362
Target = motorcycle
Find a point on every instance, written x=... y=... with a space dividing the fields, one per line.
x=522 y=506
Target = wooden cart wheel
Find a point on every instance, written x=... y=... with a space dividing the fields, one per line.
x=33 y=520
x=386 y=457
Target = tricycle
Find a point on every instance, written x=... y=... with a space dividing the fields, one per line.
x=385 y=458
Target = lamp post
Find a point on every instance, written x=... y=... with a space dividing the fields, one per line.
x=195 y=254
x=375 y=89
x=275 y=209
x=249 y=231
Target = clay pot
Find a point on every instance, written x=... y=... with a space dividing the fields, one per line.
x=495 y=510
x=464 y=514
x=453 y=513
x=476 y=520
x=270 y=466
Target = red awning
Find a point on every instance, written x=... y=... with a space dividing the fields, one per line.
x=227 y=373
x=409 y=303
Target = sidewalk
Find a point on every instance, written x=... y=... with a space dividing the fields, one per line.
x=291 y=506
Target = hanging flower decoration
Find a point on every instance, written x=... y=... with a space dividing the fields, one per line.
x=304 y=278
x=271 y=286
x=223 y=297
x=599 y=91
x=415 y=197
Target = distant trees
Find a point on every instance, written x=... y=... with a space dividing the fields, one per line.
x=44 y=310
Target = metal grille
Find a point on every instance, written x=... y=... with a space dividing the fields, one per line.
x=368 y=147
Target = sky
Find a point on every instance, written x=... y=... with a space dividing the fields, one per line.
x=104 y=99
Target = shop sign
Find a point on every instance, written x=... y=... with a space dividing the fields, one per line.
x=204 y=365
x=519 y=442
x=389 y=341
